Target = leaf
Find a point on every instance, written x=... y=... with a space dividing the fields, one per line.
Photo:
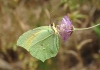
x=97 y=30
x=41 y=42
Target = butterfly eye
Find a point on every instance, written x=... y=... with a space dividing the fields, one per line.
x=51 y=24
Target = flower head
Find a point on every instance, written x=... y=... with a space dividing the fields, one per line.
x=65 y=28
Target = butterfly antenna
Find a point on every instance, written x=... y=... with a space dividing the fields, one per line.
x=51 y=24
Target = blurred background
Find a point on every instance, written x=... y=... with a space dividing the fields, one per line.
x=80 y=52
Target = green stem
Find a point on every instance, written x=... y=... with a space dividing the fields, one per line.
x=85 y=28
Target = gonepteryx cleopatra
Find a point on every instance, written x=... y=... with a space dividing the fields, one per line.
x=41 y=42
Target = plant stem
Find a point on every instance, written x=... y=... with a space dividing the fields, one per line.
x=85 y=28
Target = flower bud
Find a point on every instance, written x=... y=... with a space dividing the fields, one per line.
x=65 y=28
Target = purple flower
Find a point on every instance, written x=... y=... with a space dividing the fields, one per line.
x=65 y=28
